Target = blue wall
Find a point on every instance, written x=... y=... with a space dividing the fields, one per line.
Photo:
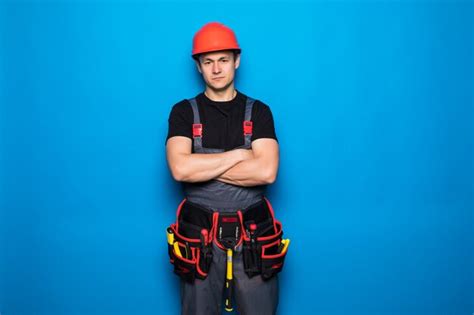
x=373 y=105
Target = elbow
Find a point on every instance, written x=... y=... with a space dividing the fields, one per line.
x=270 y=180
x=177 y=173
x=270 y=177
x=180 y=174
x=177 y=177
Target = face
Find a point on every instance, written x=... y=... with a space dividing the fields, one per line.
x=218 y=69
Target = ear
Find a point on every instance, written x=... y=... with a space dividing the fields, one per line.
x=237 y=61
x=198 y=65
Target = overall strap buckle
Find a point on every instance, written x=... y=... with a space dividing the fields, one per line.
x=197 y=130
x=248 y=127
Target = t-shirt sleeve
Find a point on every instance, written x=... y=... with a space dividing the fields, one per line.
x=263 y=125
x=180 y=121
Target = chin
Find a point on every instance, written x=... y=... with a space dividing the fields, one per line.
x=219 y=87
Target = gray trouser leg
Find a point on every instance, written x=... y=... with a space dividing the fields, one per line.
x=204 y=297
x=252 y=296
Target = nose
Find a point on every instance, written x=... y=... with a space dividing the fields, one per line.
x=216 y=69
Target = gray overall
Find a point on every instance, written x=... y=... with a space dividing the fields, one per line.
x=252 y=296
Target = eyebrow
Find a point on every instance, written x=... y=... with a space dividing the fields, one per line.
x=210 y=59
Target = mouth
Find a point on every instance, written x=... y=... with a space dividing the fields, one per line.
x=218 y=78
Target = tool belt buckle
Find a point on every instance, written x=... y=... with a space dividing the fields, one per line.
x=228 y=230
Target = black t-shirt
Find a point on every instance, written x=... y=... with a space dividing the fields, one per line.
x=222 y=122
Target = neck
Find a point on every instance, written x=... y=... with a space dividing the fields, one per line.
x=221 y=96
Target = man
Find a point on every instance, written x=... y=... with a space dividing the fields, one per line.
x=222 y=146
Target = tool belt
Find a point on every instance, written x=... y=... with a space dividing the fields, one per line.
x=191 y=237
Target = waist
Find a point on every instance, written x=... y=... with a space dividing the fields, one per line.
x=222 y=197
x=223 y=205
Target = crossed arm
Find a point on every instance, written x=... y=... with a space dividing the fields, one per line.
x=258 y=166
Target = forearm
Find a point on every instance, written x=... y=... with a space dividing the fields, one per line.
x=198 y=167
x=253 y=172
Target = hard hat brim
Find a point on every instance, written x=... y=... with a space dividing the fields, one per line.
x=196 y=54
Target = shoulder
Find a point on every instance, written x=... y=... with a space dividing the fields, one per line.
x=258 y=105
x=261 y=110
x=182 y=109
x=261 y=106
x=180 y=119
x=181 y=105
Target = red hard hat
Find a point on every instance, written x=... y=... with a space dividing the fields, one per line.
x=214 y=36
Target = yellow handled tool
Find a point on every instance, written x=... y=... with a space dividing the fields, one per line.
x=177 y=251
x=285 y=243
x=170 y=236
x=229 y=282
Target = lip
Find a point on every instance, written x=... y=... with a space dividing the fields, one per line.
x=218 y=78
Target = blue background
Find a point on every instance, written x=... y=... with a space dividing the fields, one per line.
x=373 y=103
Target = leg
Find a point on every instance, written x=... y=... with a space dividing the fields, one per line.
x=253 y=296
x=204 y=297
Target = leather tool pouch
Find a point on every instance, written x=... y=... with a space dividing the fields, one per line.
x=264 y=250
x=191 y=252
